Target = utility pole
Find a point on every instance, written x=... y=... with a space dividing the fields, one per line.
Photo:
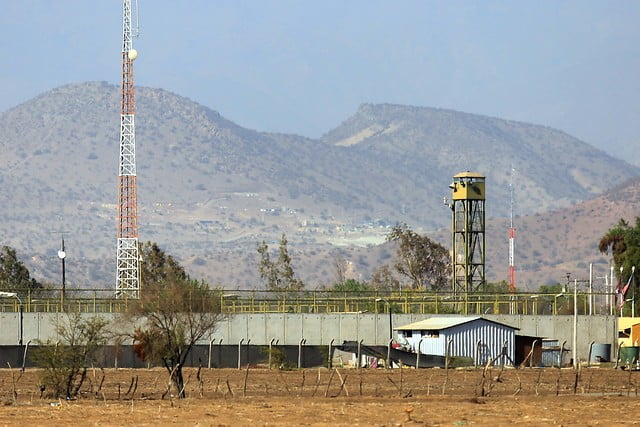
x=591 y=301
x=575 y=324
x=127 y=278
x=612 y=297
x=62 y=255
x=512 y=241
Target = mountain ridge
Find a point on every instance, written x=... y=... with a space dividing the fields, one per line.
x=208 y=186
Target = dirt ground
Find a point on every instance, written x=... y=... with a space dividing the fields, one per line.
x=258 y=396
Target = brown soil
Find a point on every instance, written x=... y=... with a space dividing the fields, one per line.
x=601 y=396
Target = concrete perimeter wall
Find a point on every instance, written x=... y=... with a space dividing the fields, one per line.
x=320 y=329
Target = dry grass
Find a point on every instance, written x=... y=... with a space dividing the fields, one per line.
x=232 y=397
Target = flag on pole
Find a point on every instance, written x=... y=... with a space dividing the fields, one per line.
x=623 y=292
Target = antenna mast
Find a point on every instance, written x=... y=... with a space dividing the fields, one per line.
x=512 y=241
x=128 y=277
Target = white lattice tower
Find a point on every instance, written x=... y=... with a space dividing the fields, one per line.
x=128 y=272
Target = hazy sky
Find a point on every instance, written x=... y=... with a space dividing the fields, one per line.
x=304 y=66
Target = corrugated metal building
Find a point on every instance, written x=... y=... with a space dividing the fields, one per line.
x=474 y=337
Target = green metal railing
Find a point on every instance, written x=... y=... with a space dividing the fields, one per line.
x=320 y=301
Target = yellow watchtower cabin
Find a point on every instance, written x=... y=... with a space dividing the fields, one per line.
x=468 y=233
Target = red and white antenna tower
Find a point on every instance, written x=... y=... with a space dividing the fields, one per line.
x=128 y=276
x=512 y=241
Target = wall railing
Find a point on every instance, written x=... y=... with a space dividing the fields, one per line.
x=322 y=301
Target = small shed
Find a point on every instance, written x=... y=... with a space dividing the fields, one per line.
x=524 y=345
x=473 y=337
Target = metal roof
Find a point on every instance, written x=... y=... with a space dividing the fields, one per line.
x=442 y=322
x=468 y=174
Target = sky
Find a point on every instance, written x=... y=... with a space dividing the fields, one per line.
x=303 y=67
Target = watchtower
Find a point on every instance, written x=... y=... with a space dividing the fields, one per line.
x=467 y=232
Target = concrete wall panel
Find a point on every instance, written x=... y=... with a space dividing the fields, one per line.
x=349 y=330
x=274 y=327
x=256 y=328
x=312 y=328
x=367 y=327
x=330 y=329
x=293 y=328
x=237 y=329
x=320 y=329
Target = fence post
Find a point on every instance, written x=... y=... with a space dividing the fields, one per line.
x=446 y=356
x=477 y=358
x=590 y=349
x=618 y=355
x=533 y=347
x=302 y=341
x=211 y=341
x=561 y=355
x=418 y=352
x=240 y=351
x=330 y=361
x=503 y=353
x=24 y=355
x=270 y=346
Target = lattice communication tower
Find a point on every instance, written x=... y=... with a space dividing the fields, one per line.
x=128 y=271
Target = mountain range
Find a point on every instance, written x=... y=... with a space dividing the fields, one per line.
x=209 y=189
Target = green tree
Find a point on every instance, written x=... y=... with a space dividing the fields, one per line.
x=501 y=287
x=352 y=285
x=173 y=313
x=623 y=241
x=14 y=276
x=278 y=275
x=157 y=266
x=555 y=294
x=64 y=363
x=383 y=279
x=364 y=295
x=424 y=262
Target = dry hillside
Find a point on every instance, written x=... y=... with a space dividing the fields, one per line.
x=209 y=189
